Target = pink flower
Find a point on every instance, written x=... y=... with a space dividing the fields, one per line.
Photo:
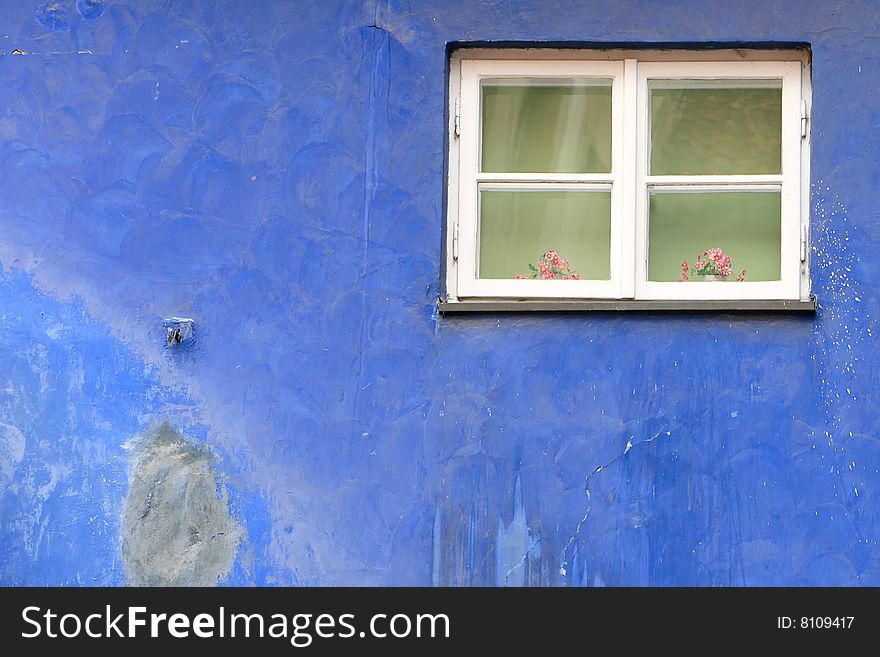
x=712 y=262
x=550 y=266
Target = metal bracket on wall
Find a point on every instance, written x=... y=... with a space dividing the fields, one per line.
x=178 y=330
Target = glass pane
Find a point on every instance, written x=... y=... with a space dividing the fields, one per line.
x=546 y=127
x=745 y=225
x=704 y=128
x=517 y=228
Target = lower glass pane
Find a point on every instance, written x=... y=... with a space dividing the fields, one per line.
x=744 y=225
x=571 y=228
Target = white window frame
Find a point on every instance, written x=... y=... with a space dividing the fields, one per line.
x=473 y=72
x=629 y=180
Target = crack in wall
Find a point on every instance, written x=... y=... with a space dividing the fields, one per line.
x=563 y=567
x=519 y=564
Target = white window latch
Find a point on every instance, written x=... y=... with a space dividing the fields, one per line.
x=455 y=242
x=804 y=118
x=803 y=243
x=456 y=126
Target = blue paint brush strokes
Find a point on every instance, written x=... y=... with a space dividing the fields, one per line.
x=277 y=172
x=90 y=10
x=52 y=16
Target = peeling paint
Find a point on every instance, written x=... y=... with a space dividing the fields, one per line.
x=516 y=549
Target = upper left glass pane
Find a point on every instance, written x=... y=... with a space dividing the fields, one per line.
x=532 y=125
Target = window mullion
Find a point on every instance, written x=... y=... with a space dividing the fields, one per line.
x=639 y=170
x=626 y=183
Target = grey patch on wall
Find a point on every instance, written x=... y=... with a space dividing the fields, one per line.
x=176 y=527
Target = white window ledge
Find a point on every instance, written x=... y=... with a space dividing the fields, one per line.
x=611 y=305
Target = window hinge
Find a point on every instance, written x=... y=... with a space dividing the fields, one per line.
x=804 y=118
x=457 y=118
x=455 y=241
x=803 y=243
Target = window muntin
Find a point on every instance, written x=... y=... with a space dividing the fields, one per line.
x=513 y=143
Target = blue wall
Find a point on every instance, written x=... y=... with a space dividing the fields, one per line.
x=275 y=171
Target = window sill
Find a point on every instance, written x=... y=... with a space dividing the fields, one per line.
x=614 y=305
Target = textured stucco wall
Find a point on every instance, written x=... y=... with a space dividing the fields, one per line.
x=275 y=171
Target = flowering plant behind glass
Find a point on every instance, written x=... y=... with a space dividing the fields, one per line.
x=712 y=263
x=551 y=267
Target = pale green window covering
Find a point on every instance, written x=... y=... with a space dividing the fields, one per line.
x=546 y=127
x=518 y=227
x=700 y=127
x=744 y=224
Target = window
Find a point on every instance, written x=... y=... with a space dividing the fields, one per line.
x=640 y=175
